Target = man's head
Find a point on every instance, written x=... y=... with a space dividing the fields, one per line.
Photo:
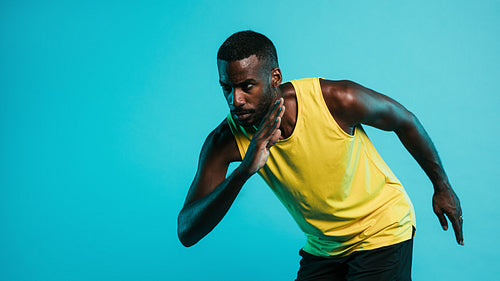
x=249 y=75
x=243 y=44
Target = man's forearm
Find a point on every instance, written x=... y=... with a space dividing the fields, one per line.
x=444 y=200
x=418 y=143
x=199 y=217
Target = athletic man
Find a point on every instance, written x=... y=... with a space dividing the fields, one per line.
x=305 y=139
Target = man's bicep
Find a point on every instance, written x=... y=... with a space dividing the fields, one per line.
x=377 y=110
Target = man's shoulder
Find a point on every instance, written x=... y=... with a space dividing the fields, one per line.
x=338 y=93
x=221 y=134
x=222 y=142
x=337 y=87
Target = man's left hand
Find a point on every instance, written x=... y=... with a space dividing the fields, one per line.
x=445 y=201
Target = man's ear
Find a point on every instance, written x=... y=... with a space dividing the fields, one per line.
x=276 y=77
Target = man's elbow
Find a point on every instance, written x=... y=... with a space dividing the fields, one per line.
x=408 y=123
x=186 y=242
x=183 y=233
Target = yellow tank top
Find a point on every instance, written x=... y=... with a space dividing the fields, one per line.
x=336 y=186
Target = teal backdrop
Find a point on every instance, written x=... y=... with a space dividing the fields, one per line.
x=104 y=107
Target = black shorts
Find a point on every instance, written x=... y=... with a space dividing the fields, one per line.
x=386 y=263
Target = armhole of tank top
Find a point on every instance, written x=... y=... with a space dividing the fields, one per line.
x=298 y=122
x=331 y=118
x=390 y=177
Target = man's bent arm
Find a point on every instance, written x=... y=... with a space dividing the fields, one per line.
x=210 y=195
x=359 y=105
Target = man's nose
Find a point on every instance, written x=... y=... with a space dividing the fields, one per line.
x=236 y=98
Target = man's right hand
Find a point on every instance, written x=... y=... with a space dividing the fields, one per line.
x=266 y=136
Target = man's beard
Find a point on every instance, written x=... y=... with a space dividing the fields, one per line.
x=260 y=111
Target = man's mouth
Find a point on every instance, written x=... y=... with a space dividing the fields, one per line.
x=242 y=115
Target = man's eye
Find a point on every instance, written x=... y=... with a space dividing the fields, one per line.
x=248 y=87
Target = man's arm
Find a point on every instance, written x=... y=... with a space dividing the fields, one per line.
x=352 y=104
x=211 y=194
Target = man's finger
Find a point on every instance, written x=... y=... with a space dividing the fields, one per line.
x=269 y=126
x=267 y=117
x=442 y=220
x=282 y=111
x=272 y=131
x=273 y=111
x=274 y=139
x=457 y=222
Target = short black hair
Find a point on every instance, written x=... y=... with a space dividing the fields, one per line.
x=243 y=44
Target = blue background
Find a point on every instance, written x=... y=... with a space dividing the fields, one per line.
x=105 y=105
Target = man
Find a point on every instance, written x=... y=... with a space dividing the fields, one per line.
x=305 y=139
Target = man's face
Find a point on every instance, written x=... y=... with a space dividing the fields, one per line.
x=246 y=86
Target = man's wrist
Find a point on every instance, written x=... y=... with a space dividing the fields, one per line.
x=442 y=186
x=242 y=172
